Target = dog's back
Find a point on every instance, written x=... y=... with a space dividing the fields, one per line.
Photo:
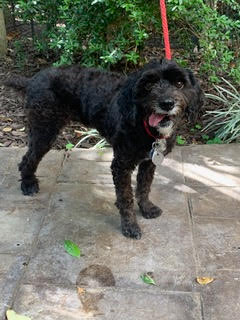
x=84 y=93
x=87 y=91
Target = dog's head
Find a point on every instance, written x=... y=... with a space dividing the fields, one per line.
x=165 y=92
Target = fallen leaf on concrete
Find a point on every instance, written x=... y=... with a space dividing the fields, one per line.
x=81 y=290
x=204 y=280
x=12 y=315
x=69 y=146
x=7 y=129
x=72 y=248
x=146 y=278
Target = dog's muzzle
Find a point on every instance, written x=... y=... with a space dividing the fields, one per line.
x=165 y=114
x=162 y=120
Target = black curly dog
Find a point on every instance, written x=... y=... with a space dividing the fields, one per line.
x=130 y=112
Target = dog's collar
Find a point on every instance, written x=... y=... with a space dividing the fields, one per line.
x=146 y=127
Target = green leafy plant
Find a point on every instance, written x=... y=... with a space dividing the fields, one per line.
x=225 y=121
x=101 y=32
x=214 y=26
x=198 y=126
x=205 y=137
x=107 y=32
x=215 y=140
x=180 y=140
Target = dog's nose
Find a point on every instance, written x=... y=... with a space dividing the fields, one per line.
x=167 y=104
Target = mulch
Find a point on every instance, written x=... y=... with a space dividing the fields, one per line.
x=13 y=129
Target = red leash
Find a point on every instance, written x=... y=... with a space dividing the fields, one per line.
x=167 y=53
x=165 y=29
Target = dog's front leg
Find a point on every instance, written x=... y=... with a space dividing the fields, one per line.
x=122 y=171
x=145 y=176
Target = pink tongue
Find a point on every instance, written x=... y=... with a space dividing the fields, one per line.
x=154 y=119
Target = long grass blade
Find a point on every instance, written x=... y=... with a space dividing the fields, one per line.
x=225 y=120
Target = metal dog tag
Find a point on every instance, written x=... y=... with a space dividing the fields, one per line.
x=157 y=151
x=157 y=157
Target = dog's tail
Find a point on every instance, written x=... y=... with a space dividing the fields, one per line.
x=18 y=83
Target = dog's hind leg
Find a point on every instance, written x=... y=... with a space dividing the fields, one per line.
x=42 y=134
x=122 y=171
x=145 y=176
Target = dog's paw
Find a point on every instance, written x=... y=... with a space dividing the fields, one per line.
x=131 y=230
x=149 y=210
x=29 y=187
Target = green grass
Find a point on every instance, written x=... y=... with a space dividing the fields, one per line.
x=86 y=135
x=225 y=121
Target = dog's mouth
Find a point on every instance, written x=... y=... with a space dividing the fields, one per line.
x=160 y=120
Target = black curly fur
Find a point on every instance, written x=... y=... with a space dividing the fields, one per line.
x=116 y=106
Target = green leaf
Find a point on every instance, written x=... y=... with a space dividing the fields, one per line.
x=215 y=140
x=146 y=278
x=69 y=146
x=72 y=248
x=198 y=126
x=12 y=315
x=210 y=142
x=180 y=140
x=205 y=137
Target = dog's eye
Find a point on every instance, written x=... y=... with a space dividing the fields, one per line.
x=179 y=84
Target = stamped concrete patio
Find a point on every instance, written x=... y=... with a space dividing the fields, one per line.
x=198 y=234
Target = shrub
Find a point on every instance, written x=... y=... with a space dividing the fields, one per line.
x=101 y=32
x=225 y=121
x=106 y=32
x=217 y=32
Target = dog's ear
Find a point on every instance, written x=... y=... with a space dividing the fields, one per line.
x=197 y=100
x=144 y=85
